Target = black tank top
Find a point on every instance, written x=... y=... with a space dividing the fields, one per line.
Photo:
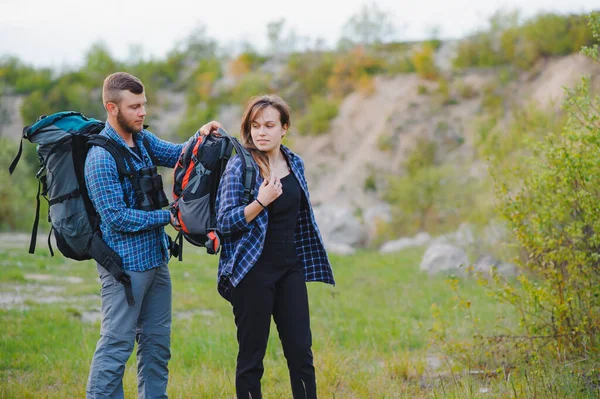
x=280 y=246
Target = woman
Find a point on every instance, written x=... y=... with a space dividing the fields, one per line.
x=271 y=246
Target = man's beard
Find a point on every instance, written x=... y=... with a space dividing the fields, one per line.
x=123 y=124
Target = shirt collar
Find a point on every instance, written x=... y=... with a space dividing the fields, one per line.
x=112 y=133
x=287 y=152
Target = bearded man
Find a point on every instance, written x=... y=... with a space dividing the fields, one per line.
x=132 y=224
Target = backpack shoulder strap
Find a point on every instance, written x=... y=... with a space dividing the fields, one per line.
x=120 y=156
x=148 y=148
x=249 y=177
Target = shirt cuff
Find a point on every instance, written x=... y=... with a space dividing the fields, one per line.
x=239 y=220
x=164 y=216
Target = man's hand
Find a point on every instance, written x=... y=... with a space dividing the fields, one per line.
x=175 y=223
x=209 y=128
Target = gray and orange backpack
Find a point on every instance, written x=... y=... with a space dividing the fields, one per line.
x=196 y=182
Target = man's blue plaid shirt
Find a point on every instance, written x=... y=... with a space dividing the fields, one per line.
x=242 y=242
x=137 y=236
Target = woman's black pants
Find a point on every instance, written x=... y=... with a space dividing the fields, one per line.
x=279 y=290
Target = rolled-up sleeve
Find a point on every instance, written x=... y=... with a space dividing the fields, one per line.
x=106 y=193
x=167 y=153
x=230 y=211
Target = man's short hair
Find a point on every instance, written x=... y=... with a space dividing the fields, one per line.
x=115 y=83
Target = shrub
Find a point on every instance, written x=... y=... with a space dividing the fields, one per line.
x=245 y=63
x=195 y=117
x=69 y=92
x=351 y=70
x=424 y=62
x=466 y=91
x=521 y=44
x=251 y=85
x=555 y=220
x=370 y=182
x=422 y=90
x=400 y=64
x=311 y=71
x=201 y=83
x=509 y=144
x=386 y=142
x=318 y=116
x=22 y=79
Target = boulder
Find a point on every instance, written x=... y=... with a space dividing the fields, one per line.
x=485 y=263
x=339 y=225
x=402 y=243
x=339 y=248
x=444 y=258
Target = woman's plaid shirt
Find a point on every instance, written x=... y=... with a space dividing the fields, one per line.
x=243 y=242
x=137 y=236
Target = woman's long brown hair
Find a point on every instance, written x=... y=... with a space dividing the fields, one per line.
x=255 y=106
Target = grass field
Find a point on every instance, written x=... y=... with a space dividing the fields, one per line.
x=371 y=333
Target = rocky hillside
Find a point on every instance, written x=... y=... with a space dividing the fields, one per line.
x=373 y=133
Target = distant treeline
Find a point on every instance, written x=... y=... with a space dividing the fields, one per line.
x=313 y=80
x=522 y=44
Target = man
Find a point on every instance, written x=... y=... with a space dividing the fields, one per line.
x=139 y=238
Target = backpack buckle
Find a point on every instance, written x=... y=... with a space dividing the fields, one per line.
x=40 y=172
x=213 y=244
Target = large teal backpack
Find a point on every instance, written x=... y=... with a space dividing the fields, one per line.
x=63 y=140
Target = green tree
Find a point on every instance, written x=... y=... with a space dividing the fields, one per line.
x=19 y=78
x=198 y=45
x=274 y=35
x=370 y=25
x=318 y=116
x=415 y=195
x=99 y=63
x=307 y=76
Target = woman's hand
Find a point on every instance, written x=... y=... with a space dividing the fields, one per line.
x=269 y=190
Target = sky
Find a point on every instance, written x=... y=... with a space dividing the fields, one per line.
x=57 y=33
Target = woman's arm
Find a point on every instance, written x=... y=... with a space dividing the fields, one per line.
x=230 y=211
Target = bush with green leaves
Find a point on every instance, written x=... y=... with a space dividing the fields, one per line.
x=435 y=199
x=555 y=219
x=69 y=92
x=505 y=144
x=250 y=85
x=509 y=41
x=201 y=83
x=429 y=196
x=353 y=71
x=423 y=60
x=19 y=78
x=194 y=118
x=553 y=211
x=308 y=73
x=318 y=116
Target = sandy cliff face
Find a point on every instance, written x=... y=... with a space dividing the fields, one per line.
x=372 y=135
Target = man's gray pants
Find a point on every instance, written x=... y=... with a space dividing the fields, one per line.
x=148 y=322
